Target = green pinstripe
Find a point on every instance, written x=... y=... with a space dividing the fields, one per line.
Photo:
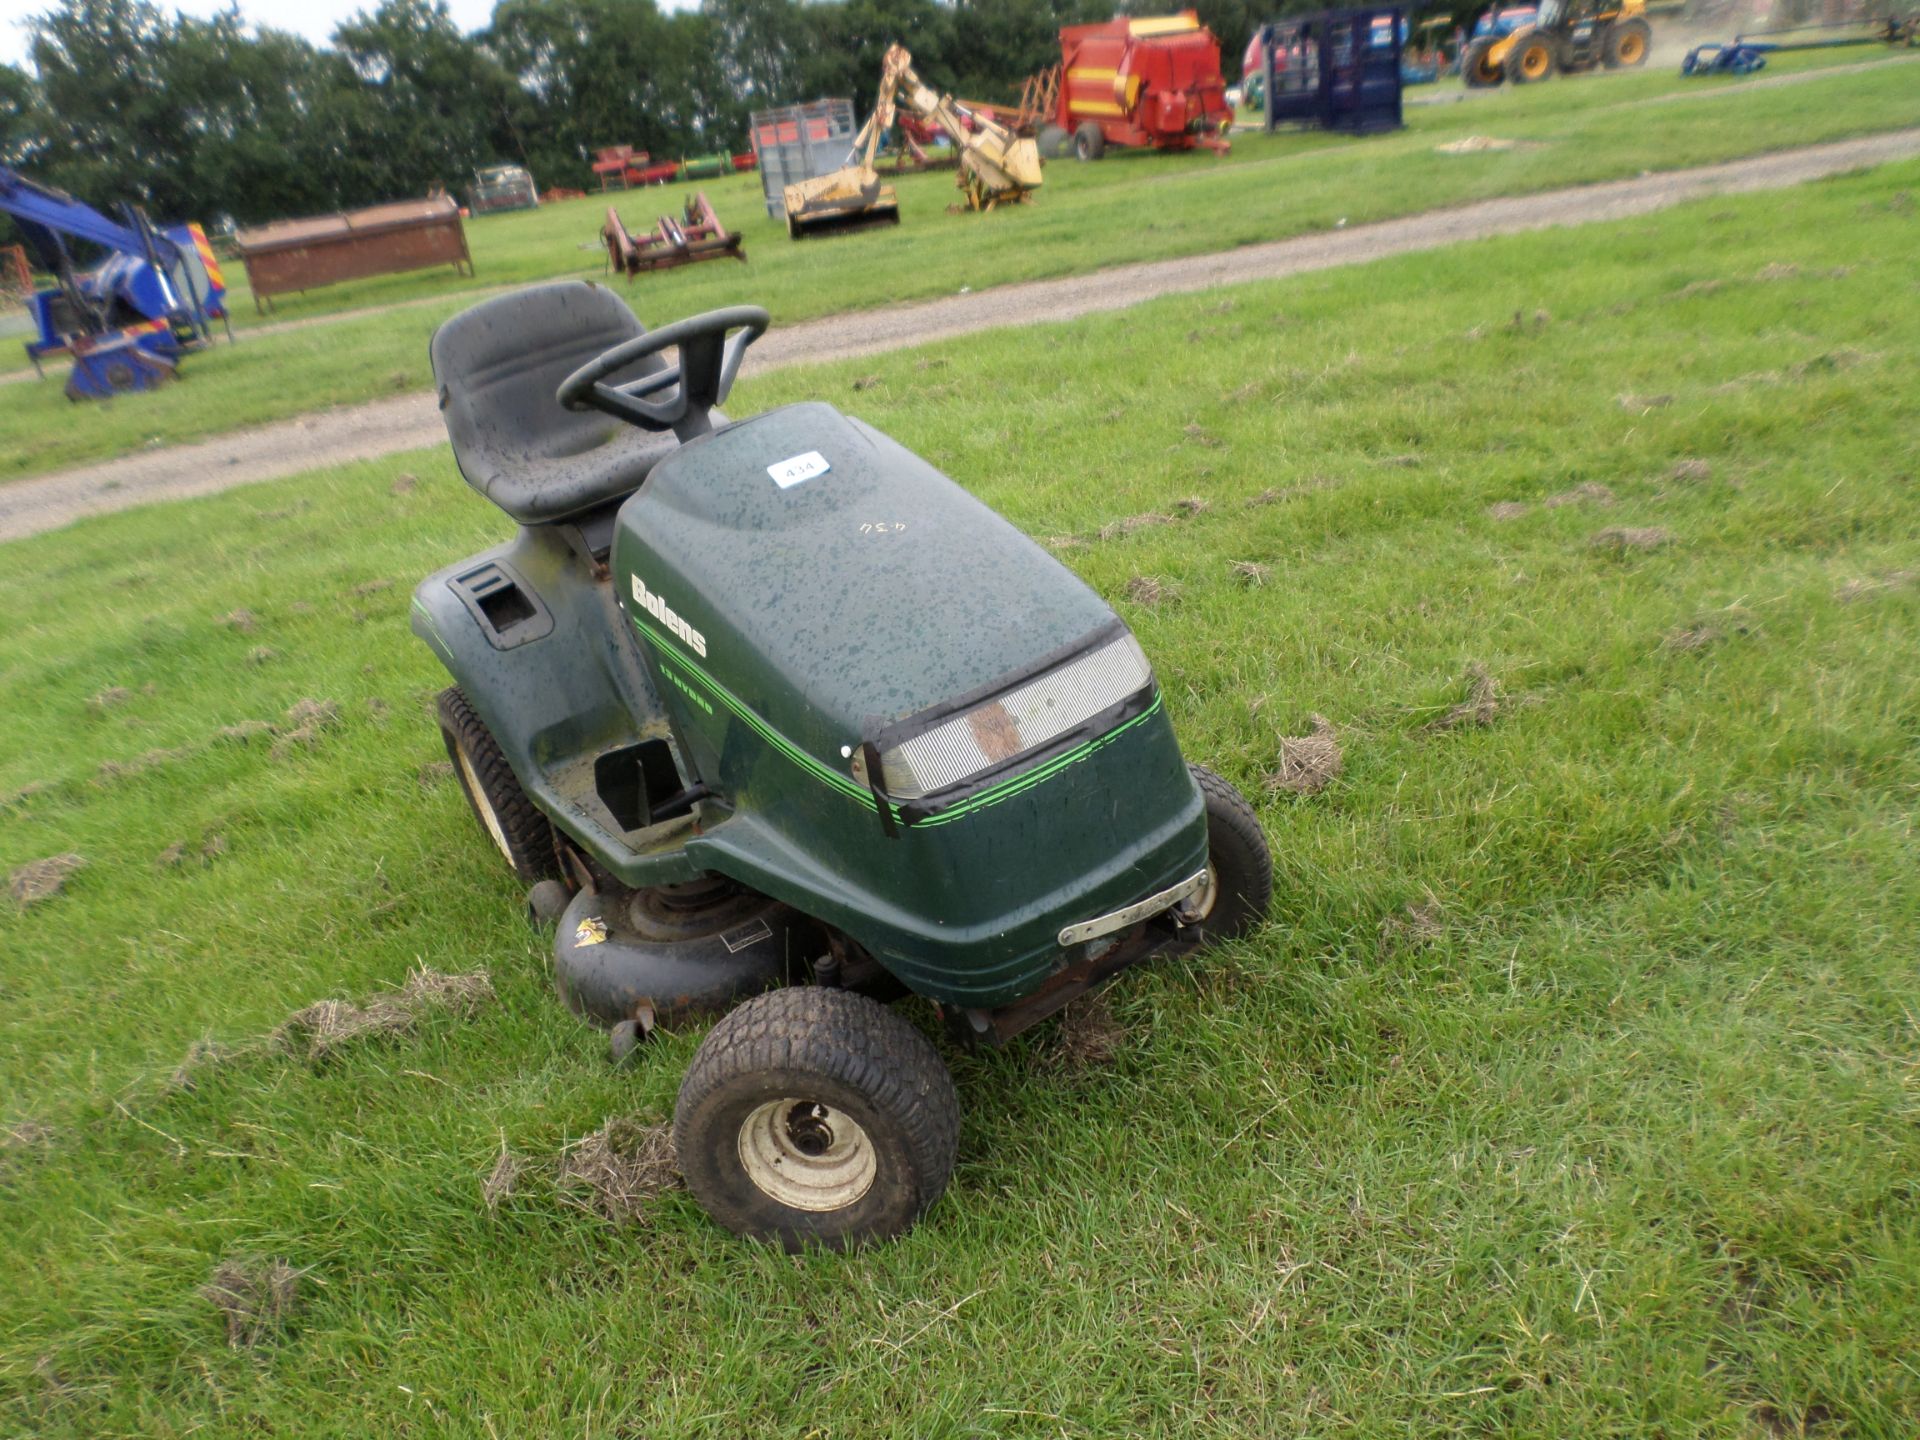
x=845 y=784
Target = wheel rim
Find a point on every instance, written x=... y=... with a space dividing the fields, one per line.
x=1534 y=63
x=1632 y=47
x=482 y=806
x=806 y=1156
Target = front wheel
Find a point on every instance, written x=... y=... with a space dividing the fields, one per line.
x=1477 y=70
x=1239 y=865
x=816 y=1116
x=1089 y=141
x=1530 y=60
x=1627 y=44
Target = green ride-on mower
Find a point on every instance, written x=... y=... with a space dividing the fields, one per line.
x=779 y=722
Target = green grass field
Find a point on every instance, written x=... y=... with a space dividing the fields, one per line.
x=1570 y=1092
x=1129 y=207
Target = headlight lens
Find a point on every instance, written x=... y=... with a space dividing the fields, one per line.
x=1024 y=719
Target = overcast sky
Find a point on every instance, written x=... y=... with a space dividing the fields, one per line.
x=314 y=19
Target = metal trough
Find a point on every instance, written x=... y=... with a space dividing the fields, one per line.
x=296 y=255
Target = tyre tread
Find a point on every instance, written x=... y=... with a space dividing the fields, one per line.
x=529 y=833
x=851 y=1039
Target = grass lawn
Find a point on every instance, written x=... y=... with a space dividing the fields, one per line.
x=1129 y=207
x=1571 y=1091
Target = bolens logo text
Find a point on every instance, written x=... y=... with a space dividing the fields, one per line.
x=663 y=612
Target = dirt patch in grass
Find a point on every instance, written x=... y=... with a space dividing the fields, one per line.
x=1691 y=472
x=255 y=1296
x=14 y=799
x=1200 y=435
x=1089 y=1034
x=25 y=1135
x=204 y=1054
x=435 y=772
x=1308 y=763
x=1151 y=591
x=1641 y=404
x=245 y=621
x=317 y=1030
x=1114 y=529
x=261 y=654
x=1413 y=925
x=1704 y=634
x=1591 y=493
x=110 y=698
x=1481 y=706
x=1194 y=505
x=1777 y=270
x=502 y=1180
x=616 y=1171
x=370 y=587
x=1828 y=362
x=1508 y=510
x=40 y=880
x=1855 y=590
x=1622 y=538
x=243 y=733
x=1250 y=572
x=405 y=483
x=309 y=719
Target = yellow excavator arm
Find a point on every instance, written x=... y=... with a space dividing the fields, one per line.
x=996 y=167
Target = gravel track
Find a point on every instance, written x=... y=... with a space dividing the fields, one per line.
x=412 y=422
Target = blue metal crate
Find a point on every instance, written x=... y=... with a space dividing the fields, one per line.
x=1337 y=69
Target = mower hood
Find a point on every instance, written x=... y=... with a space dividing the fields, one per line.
x=836 y=584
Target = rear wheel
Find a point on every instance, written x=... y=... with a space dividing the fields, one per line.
x=518 y=831
x=1239 y=865
x=1089 y=141
x=1530 y=60
x=816 y=1116
x=1053 y=141
x=1627 y=44
x=1477 y=69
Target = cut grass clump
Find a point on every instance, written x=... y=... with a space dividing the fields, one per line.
x=41 y=880
x=256 y=1297
x=1310 y=762
x=620 y=1170
x=1480 y=708
x=317 y=1030
x=1622 y=538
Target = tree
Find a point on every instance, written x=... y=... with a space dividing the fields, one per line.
x=443 y=104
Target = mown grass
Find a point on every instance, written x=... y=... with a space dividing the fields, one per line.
x=1130 y=207
x=1571 y=1090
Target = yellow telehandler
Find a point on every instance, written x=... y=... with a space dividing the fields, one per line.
x=1567 y=36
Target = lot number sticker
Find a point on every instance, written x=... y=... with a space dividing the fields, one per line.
x=789 y=473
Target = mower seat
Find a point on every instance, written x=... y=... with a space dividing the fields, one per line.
x=495 y=368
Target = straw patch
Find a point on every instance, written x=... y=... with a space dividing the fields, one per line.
x=1308 y=763
x=1622 y=538
x=317 y=1030
x=256 y=1297
x=41 y=880
x=619 y=1169
x=1480 y=707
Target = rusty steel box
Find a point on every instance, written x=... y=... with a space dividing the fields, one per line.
x=293 y=255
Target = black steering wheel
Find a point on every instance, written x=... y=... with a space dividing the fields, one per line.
x=709 y=359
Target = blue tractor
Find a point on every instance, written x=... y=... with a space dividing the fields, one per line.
x=127 y=321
